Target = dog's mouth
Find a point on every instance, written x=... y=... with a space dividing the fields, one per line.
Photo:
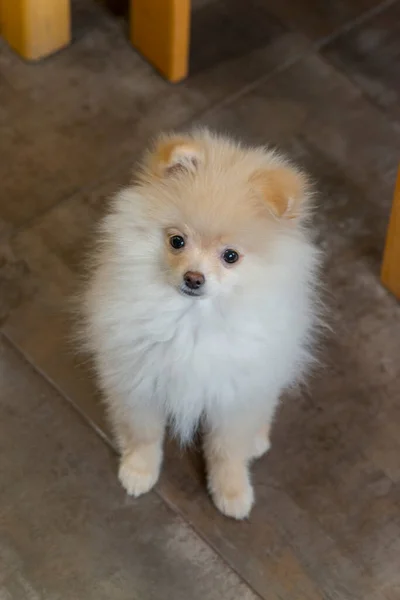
x=183 y=289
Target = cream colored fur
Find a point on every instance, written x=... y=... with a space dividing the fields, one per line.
x=220 y=359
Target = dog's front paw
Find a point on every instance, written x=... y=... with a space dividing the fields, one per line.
x=138 y=472
x=232 y=494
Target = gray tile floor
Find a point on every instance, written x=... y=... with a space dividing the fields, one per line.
x=321 y=81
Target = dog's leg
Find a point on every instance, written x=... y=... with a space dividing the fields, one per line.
x=261 y=442
x=139 y=432
x=228 y=447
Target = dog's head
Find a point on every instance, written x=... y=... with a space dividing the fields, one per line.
x=218 y=208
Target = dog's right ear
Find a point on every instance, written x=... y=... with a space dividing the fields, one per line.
x=174 y=155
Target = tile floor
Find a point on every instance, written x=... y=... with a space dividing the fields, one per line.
x=321 y=81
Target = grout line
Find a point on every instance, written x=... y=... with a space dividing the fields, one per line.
x=57 y=388
x=252 y=85
x=354 y=23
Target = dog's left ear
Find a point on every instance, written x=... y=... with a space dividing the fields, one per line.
x=284 y=189
x=175 y=154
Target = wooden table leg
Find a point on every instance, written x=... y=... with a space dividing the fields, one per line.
x=391 y=259
x=36 y=28
x=160 y=30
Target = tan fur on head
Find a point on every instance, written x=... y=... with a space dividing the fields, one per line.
x=282 y=188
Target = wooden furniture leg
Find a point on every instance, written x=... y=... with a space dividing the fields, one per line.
x=391 y=259
x=160 y=30
x=36 y=28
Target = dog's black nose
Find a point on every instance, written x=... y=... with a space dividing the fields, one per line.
x=194 y=280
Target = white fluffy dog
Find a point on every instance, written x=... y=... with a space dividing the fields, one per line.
x=201 y=306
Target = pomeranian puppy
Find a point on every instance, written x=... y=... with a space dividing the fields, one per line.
x=201 y=306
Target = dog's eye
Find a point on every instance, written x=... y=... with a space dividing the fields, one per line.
x=230 y=256
x=177 y=242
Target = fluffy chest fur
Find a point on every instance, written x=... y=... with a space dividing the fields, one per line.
x=196 y=357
